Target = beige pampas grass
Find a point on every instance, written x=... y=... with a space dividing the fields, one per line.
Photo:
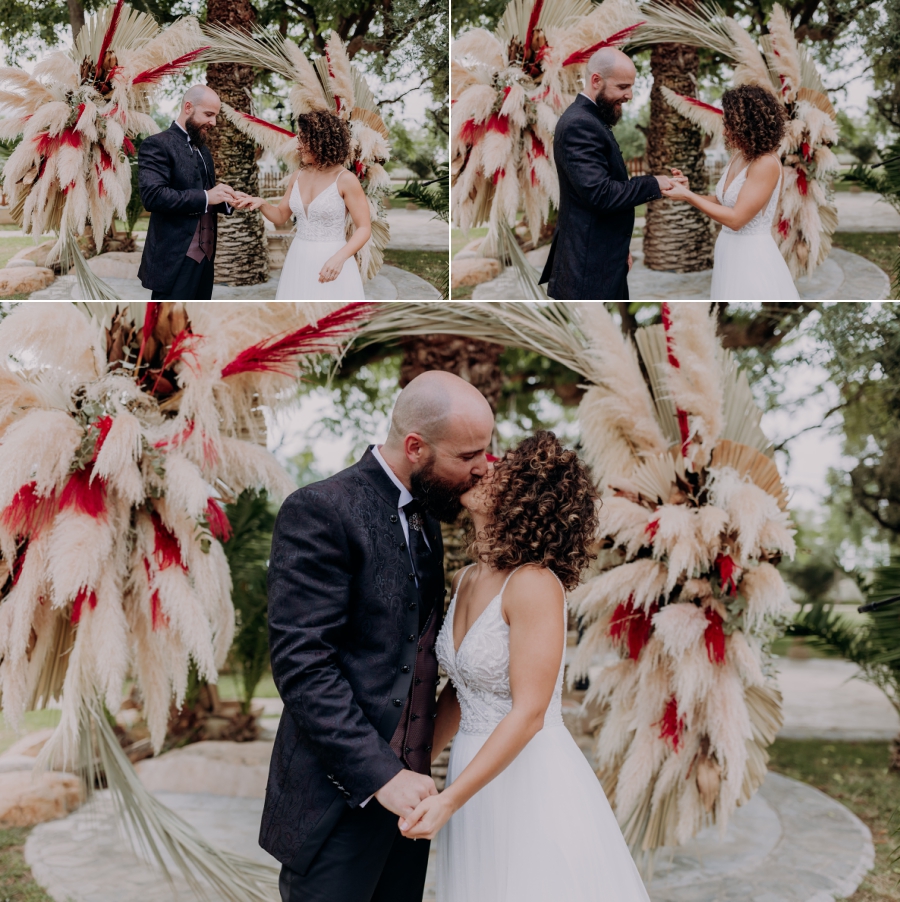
x=766 y=594
x=306 y=94
x=339 y=74
x=680 y=627
x=785 y=59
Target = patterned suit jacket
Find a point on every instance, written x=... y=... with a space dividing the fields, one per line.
x=343 y=630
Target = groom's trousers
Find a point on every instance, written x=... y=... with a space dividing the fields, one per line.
x=365 y=859
x=194 y=281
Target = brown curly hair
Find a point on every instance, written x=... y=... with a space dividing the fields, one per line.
x=544 y=510
x=325 y=136
x=755 y=122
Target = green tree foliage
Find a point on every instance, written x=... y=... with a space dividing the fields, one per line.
x=252 y=520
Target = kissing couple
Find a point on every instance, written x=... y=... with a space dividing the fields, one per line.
x=357 y=631
x=178 y=187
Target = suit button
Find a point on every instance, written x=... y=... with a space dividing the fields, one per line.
x=407 y=750
x=414 y=717
x=404 y=668
x=433 y=716
x=418 y=681
x=403 y=546
x=412 y=605
x=346 y=795
x=411 y=637
x=394 y=518
x=427 y=748
x=398 y=702
x=411 y=576
x=420 y=648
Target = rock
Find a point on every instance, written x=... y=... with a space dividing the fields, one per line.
x=26 y=800
x=37 y=253
x=114 y=265
x=473 y=270
x=470 y=250
x=13 y=763
x=24 y=280
x=14 y=263
x=219 y=768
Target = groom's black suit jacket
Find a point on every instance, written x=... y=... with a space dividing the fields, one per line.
x=172 y=178
x=343 y=625
x=589 y=255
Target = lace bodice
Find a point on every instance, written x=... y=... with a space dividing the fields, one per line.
x=479 y=669
x=323 y=218
x=762 y=222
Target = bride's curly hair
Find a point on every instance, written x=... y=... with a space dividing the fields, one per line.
x=754 y=120
x=545 y=510
x=325 y=136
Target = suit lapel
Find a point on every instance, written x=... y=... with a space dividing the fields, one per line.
x=186 y=153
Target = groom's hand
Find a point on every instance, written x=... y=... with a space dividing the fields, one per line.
x=221 y=194
x=403 y=793
x=665 y=183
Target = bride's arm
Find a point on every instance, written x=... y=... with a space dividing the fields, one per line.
x=358 y=208
x=762 y=178
x=278 y=215
x=533 y=602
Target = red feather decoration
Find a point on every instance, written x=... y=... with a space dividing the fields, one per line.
x=532 y=24
x=729 y=573
x=151 y=314
x=110 y=31
x=582 y=56
x=278 y=354
x=103 y=425
x=274 y=128
x=671 y=724
x=633 y=626
x=693 y=101
x=218 y=521
x=166 y=549
x=182 y=346
x=28 y=512
x=84 y=595
x=153 y=75
x=714 y=636
x=157 y=618
x=84 y=494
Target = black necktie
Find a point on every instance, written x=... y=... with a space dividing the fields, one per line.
x=424 y=559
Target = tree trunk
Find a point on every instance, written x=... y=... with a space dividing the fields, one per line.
x=677 y=236
x=76 y=17
x=242 y=253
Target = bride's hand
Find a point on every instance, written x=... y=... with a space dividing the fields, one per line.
x=677 y=191
x=679 y=177
x=246 y=202
x=425 y=822
x=332 y=268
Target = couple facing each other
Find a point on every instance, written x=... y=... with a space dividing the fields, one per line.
x=177 y=182
x=357 y=630
x=589 y=258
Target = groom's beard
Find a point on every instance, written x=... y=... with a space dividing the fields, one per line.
x=437 y=495
x=610 y=113
x=196 y=133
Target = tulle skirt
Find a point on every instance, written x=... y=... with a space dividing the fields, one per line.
x=750 y=267
x=542 y=831
x=300 y=276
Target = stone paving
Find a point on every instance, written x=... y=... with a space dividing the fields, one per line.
x=391 y=284
x=843 y=276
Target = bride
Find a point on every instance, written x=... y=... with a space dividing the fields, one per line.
x=524 y=817
x=748 y=265
x=320 y=263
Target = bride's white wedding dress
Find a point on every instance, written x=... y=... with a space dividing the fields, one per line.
x=320 y=235
x=748 y=265
x=542 y=830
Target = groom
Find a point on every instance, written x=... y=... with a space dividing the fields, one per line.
x=177 y=181
x=589 y=258
x=356 y=590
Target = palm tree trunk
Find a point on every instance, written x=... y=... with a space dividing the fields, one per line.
x=677 y=236
x=76 y=17
x=242 y=253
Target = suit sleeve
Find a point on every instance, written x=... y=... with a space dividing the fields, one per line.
x=222 y=207
x=154 y=179
x=587 y=157
x=309 y=604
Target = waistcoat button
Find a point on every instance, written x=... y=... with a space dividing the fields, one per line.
x=412 y=605
x=413 y=716
x=412 y=576
x=394 y=518
x=418 y=681
x=407 y=750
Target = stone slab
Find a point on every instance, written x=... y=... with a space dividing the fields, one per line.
x=791 y=843
x=842 y=276
x=417 y=230
x=390 y=284
x=865 y=212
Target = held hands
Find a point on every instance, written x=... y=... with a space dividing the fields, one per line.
x=428 y=818
x=332 y=268
x=244 y=201
x=678 y=187
x=222 y=194
x=403 y=793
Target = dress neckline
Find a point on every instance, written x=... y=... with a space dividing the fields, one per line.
x=727 y=185
x=452 y=618
x=305 y=207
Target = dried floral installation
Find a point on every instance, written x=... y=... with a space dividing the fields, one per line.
x=807 y=215
x=332 y=83
x=687 y=596
x=123 y=430
x=77 y=114
x=509 y=88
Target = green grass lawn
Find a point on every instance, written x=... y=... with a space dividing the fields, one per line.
x=857 y=775
x=230 y=688
x=34 y=720
x=428 y=265
x=879 y=247
x=16 y=882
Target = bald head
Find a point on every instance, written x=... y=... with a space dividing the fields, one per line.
x=197 y=95
x=608 y=81
x=199 y=109
x=436 y=404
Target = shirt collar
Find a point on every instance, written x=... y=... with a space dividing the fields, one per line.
x=405 y=494
x=184 y=130
x=589 y=98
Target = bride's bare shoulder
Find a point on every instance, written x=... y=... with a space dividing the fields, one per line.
x=767 y=166
x=532 y=584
